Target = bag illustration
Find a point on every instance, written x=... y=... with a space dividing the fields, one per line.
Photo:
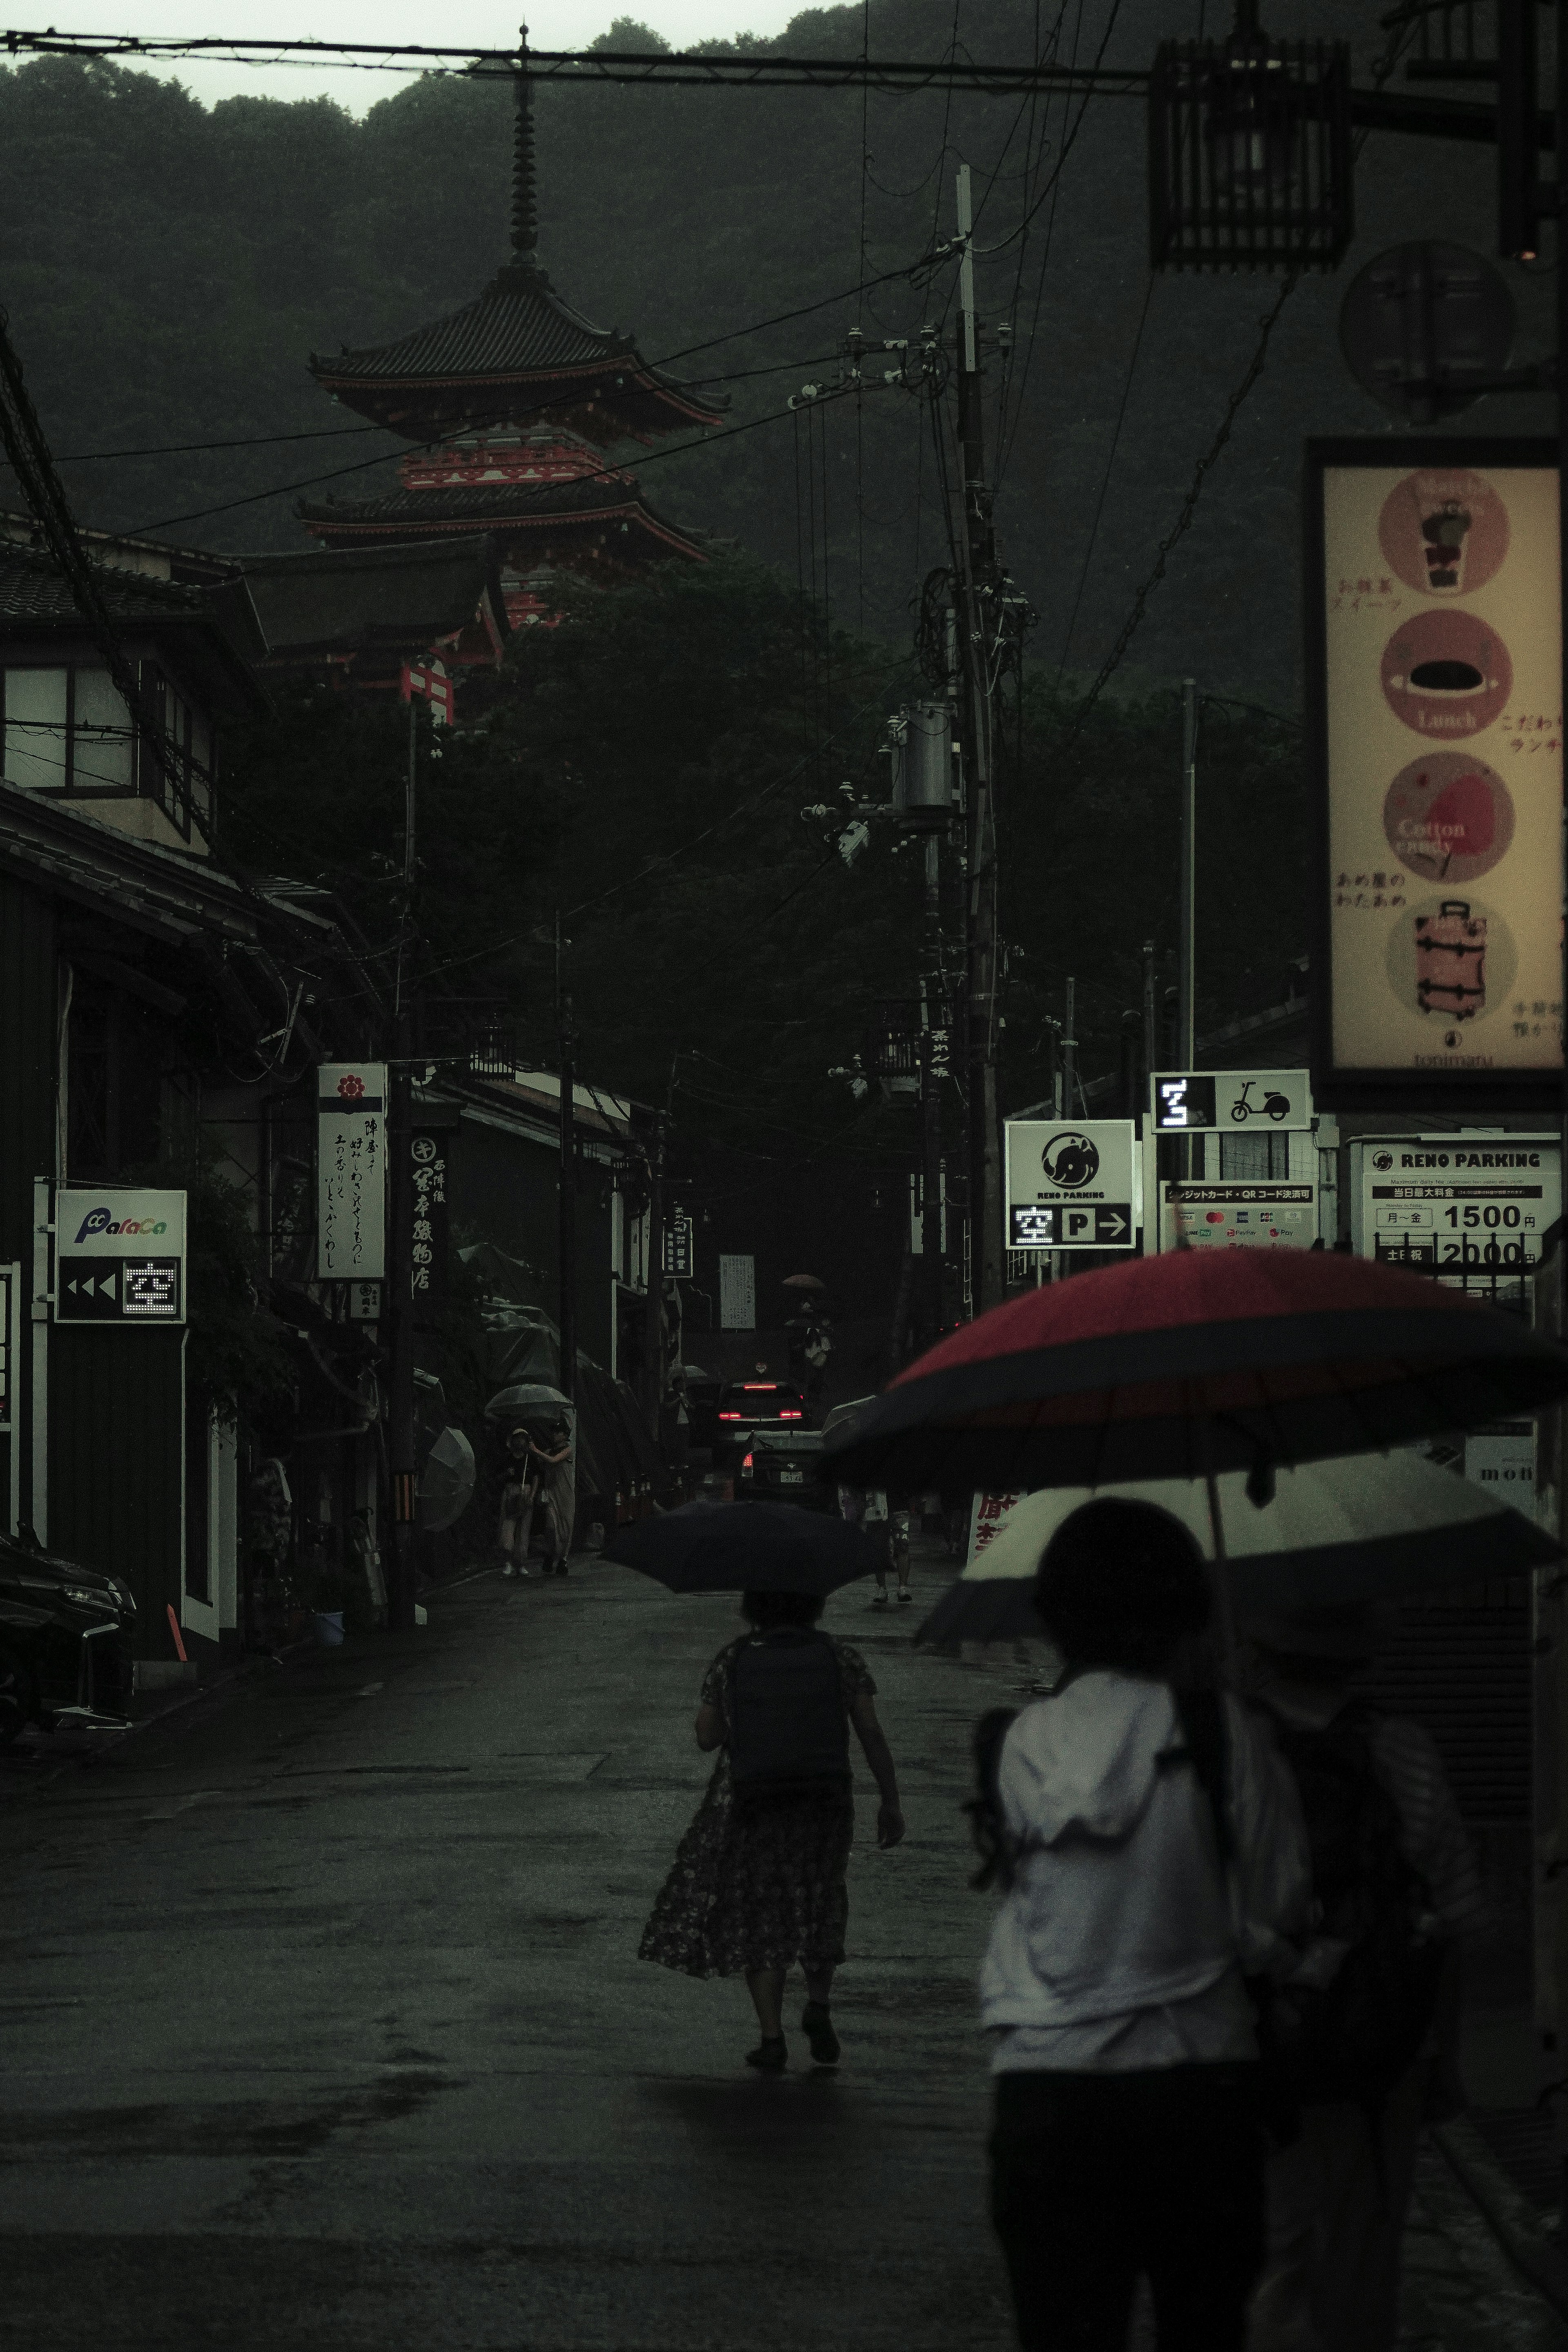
x=1450 y=962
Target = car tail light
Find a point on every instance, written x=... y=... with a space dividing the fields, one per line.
x=753 y=1387
x=747 y=1464
x=790 y=1416
x=731 y=1416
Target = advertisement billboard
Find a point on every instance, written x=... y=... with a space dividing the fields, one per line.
x=1435 y=679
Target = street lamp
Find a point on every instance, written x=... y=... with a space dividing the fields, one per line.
x=1249 y=151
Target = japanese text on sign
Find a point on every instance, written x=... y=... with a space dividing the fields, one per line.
x=351 y=1189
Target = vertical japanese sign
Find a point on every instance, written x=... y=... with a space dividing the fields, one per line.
x=351 y=1171
x=1438 y=691
x=678 y=1246
x=427 y=1264
x=988 y=1515
x=737 y=1294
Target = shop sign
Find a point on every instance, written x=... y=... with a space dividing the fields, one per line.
x=431 y=1230
x=988 y=1515
x=1436 y=679
x=737 y=1293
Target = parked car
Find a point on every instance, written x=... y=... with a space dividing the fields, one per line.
x=748 y=1406
x=780 y=1466
x=63 y=1641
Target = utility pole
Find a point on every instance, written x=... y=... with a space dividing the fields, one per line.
x=401 y=1451
x=977 y=545
x=1150 y=1015
x=1069 y=1051
x=933 y=1071
x=567 y=1244
x=653 y=1349
x=1186 y=1039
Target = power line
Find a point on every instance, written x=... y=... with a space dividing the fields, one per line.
x=675 y=68
x=1189 y=507
x=345 y=432
x=1105 y=477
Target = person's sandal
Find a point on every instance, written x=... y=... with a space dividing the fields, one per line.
x=817 y=2027
x=771 y=2054
x=878 y=1601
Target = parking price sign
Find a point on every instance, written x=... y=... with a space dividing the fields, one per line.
x=1483 y=1202
x=1069 y=1187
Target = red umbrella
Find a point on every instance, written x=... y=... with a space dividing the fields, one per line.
x=1193 y=1362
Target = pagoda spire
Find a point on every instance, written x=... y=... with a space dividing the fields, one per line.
x=524 y=196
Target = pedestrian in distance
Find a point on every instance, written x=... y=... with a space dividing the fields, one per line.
x=1152 y=1859
x=889 y=1533
x=553 y=1463
x=758 y=1884
x=1364 y=2038
x=520 y=1491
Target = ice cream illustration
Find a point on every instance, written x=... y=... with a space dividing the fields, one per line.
x=1445 y=530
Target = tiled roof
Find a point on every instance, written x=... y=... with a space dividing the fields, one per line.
x=495 y=503
x=421 y=591
x=518 y=327
x=32 y=588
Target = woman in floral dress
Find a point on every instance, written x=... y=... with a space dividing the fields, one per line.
x=758 y=1888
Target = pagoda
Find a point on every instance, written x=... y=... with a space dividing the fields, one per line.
x=512 y=403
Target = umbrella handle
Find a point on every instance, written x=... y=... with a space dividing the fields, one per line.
x=1222 y=1609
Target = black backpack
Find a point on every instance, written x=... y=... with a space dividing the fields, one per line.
x=1360 y=2034
x=789 y=1732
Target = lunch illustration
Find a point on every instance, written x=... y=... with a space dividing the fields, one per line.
x=1445 y=530
x=1446 y=674
x=1449 y=817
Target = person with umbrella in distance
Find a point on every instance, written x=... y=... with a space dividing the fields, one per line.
x=759 y=1886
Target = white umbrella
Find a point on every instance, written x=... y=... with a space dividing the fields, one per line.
x=447 y=1482
x=1367 y=1528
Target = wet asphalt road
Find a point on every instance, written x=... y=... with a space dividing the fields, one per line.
x=322 y=2022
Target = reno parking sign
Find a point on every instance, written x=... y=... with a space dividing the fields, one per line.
x=120 y=1256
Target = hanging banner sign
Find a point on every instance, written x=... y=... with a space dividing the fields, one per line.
x=1071 y=1187
x=120 y=1257
x=1239 y=1102
x=677 y=1248
x=1436 y=675
x=737 y=1293
x=1463 y=1202
x=1239 y=1216
x=351 y=1171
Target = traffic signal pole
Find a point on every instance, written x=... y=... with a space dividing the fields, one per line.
x=977 y=554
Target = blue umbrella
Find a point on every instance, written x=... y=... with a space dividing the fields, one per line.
x=745 y=1548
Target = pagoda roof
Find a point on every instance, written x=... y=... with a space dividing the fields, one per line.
x=504 y=509
x=518 y=349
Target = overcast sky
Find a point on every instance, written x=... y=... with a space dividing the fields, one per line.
x=477 y=24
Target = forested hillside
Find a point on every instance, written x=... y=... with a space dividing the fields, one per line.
x=168 y=270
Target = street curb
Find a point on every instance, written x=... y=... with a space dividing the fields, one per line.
x=1511 y=2219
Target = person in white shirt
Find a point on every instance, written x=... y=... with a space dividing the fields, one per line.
x=1128 y=2138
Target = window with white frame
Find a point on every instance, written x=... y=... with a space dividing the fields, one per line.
x=66 y=728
